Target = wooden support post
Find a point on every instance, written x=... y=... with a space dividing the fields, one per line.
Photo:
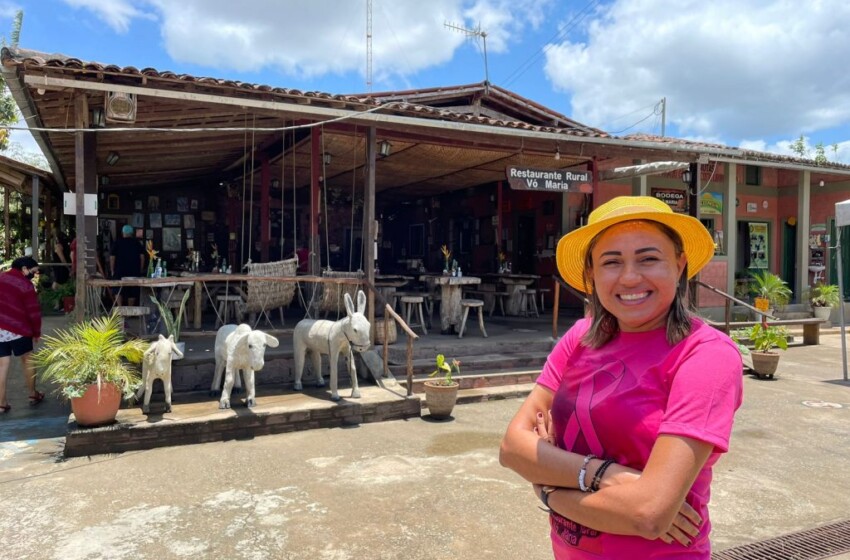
x=369 y=220
x=34 y=204
x=7 y=192
x=86 y=182
x=315 y=201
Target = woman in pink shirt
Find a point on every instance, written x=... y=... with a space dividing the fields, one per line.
x=635 y=403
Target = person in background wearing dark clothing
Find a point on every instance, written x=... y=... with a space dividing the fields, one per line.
x=127 y=258
x=20 y=325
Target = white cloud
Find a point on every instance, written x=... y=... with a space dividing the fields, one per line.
x=321 y=37
x=838 y=152
x=117 y=14
x=730 y=68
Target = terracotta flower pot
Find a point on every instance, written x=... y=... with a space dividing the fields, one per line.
x=90 y=411
x=765 y=363
x=440 y=398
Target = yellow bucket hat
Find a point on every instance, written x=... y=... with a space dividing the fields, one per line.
x=697 y=241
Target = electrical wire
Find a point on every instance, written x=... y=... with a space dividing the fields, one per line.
x=560 y=34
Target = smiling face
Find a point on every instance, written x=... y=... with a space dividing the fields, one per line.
x=635 y=272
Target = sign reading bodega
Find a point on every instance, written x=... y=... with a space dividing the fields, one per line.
x=560 y=180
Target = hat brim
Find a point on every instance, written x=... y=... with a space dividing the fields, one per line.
x=696 y=240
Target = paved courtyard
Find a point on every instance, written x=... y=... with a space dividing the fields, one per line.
x=414 y=489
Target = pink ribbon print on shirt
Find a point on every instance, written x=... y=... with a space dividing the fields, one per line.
x=593 y=389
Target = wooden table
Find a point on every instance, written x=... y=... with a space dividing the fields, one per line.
x=94 y=286
x=450 y=309
x=387 y=285
x=514 y=284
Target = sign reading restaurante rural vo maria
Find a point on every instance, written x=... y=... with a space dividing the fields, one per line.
x=561 y=180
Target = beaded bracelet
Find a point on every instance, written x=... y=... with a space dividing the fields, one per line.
x=582 y=473
x=600 y=472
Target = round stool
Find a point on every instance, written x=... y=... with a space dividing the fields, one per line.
x=528 y=304
x=408 y=303
x=468 y=304
x=543 y=292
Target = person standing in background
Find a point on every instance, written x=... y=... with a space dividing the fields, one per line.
x=20 y=325
x=126 y=259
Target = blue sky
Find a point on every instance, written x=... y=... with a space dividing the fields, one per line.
x=755 y=74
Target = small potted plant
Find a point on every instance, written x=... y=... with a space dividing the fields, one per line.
x=92 y=364
x=771 y=287
x=441 y=393
x=824 y=298
x=173 y=324
x=764 y=339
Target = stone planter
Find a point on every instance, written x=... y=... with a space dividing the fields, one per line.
x=765 y=363
x=182 y=347
x=440 y=398
x=96 y=410
x=822 y=312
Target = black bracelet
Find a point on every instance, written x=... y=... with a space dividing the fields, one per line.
x=600 y=472
x=545 y=491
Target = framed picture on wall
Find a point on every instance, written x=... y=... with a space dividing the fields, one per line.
x=171 y=240
x=138 y=220
x=188 y=221
x=153 y=203
x=193 y=204
x=156 y=220
x=182 y=204
x=190 y=233
x=137 y=205
x=172 y=220
x=113 y=202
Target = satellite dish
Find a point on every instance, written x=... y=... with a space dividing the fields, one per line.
x=120 y=107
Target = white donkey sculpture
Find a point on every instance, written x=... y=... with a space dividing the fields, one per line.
x=156 y=364
x=332 y=338
x=239 y=347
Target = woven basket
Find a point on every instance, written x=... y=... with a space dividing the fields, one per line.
x=264 y=295
x=333 y=300
x=379 y=332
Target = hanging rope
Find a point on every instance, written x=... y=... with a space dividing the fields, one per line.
x=325 y=205
x=282 y=184
x=244 y=159
x=294 y=205
x=353 y=184
x=251 y=215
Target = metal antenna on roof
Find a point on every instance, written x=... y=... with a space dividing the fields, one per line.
x=369 y=46
x=477 y=32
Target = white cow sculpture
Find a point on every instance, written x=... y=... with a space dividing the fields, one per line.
x=156 y=364
x=239 y=347
x=332 y=338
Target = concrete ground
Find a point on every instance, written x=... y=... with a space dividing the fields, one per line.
x=415 y=489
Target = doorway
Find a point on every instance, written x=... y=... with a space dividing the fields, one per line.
x=789 y=254
x=525 y=244
x=845 y=258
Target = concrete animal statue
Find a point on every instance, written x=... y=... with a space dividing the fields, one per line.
x=239 y=348
x=318 y=336
x=156 y=364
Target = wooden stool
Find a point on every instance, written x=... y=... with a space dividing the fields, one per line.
x=466 y=304
x=227 y=304
x=174 y=306
x=408 y=303
x=500 y=296
x=138 y=311
x=543 y=292
x=528 y=304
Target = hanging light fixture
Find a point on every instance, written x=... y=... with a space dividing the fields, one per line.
x=98 y=119
x=557 y=152
x=686 y=176
x=326 y=158
x=384 y=148
x=275 y=183
x=112 y=158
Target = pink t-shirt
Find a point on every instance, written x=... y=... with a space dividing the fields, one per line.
x=616 y=400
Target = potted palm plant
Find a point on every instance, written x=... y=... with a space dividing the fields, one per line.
x=824 y=298
x=92 y=364
x=771 y=287
x=441 y=393
x=764 y=339
x=173 y=324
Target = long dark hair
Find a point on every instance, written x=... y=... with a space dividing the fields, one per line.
x=604 y=326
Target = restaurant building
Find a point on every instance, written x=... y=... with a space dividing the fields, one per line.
x=220 y=167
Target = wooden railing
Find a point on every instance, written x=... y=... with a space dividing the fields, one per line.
x=389 y=312
x=580 y=296
x=727 y=316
